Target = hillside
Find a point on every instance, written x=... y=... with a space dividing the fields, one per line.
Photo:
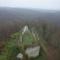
x=45 y=22
x=11 y=49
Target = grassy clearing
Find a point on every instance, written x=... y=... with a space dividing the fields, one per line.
x=27 y=39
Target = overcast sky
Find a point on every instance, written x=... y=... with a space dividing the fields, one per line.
x=39 y=4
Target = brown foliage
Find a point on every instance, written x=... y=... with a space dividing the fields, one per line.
x=2 y=45
x=53 y=53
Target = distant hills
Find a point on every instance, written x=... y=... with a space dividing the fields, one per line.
x=11 y=18
x=13 y=14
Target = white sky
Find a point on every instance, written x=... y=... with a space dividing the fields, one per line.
x=40 y=4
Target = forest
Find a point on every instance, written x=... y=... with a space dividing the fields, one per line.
x=46 y=23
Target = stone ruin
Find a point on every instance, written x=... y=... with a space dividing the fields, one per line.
x=31 y=50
